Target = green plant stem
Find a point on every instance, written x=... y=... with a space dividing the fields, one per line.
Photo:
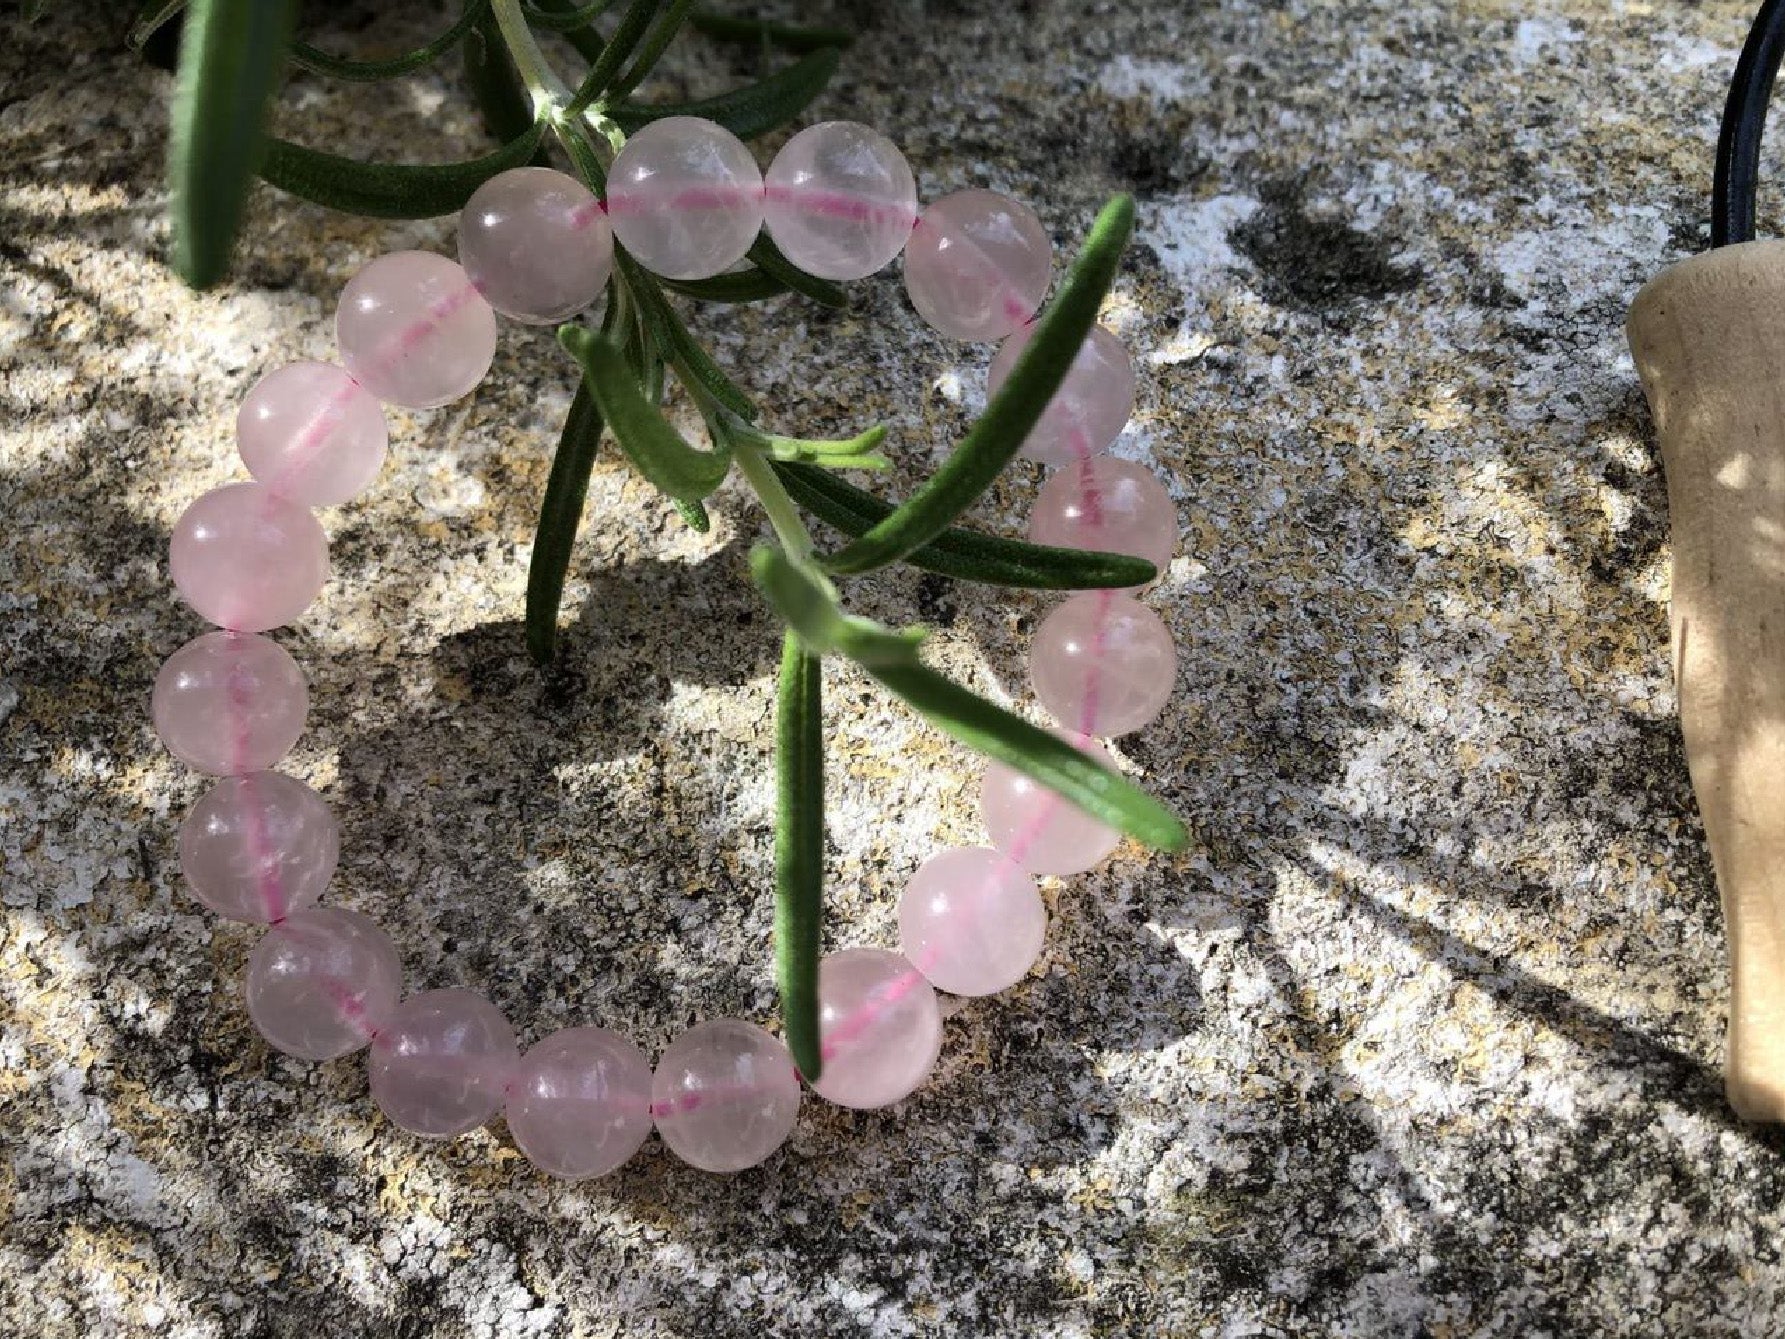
x=783 y=516
x=541 y=81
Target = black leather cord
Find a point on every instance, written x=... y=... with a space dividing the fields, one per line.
x=1736 y=179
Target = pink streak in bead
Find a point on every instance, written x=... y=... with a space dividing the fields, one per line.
x=258 y=847
x=296 y=434
x=839 y=200
x=972 y=921
x=836 y=206
x=1103 y=661
x=442 y=1063
x=405 y=305
x=320 y=983
x=880 y=1028
x=977 y=265
x=685 y=198
x=1035 y=827
x=725 y=1095
x=580 y=1103
x=227 y=703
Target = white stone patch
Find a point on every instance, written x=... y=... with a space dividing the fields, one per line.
x=1537 y=39
x=1162 y=81
x=1190 y=237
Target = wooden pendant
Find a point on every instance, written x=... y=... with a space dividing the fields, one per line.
x=1708 y=336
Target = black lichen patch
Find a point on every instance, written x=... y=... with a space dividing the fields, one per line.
x=1315 y=263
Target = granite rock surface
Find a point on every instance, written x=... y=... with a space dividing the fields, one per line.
x=1421 y=1037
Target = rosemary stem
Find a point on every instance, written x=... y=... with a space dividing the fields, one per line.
x=776 y=504
x=543 y=85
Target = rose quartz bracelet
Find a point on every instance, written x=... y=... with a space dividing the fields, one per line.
x=417 y=330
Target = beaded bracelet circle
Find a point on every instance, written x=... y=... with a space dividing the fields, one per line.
x=417 y=330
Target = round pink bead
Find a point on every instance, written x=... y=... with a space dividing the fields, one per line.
x=879 y=1026
x=977 y=265
x=259 y=847
x=1104 y=503
x=685 y=197
x=536 y=244
x=442 y=1063
x=247 y=559
x=580 y=1104
x=972 y=921
x=413 y=330
x=1039 y=830
x=229 y=702
x=323 y=982
x=1102 y=663
x=1091 y=406
x=839 y=200
x=725 y=1095
x=311 y=433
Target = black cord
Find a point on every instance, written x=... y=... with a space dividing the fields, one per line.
x=1737 y=177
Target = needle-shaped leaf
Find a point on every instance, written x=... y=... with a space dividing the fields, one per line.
x=317 y=61
x=1013 y=411
x=563 y=18
x=799 y=848
x=853 y=453
x=771 y=262
x=746 y=285
x=808 y=605
x=750 y=111
x=785 y=35
x=695 y=513
x=633 y=25
x=962 y=714
x=965 y=555
x=655 y=449
x=507 y=111
x=559 y=514
x=389 y=190
x=669 y=22
x=677 y=346
x=150 y=18
x=232 y=56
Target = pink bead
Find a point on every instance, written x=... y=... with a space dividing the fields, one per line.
x=229 y=702
x=880 y=1028
x=1104 y=503
x=247 y=559
x=1103 y=664
x=441 y=1064
x=839 y=200
x=259 y=847
x=1091 y=406
x=536 y=244
x=580 y=1104
x=311 y=433
x=413 y=331
x=977 y=265
x=972 y=921
x=323 y=982
x=1039 y=830
x=685 y=197
x=725 y=1095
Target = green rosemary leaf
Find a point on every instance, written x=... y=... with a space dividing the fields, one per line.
x=633 y=25
x=799 y=848
x=669 y=23
x=807 y=604
x=581 y=151
x=785 y=35
x=992 y=441
x=695 y=513
x=231 y=58
x=852 y=453
x=771 y=262
x=389 y=190
x=559 y=513
x=307 y=57
x=966 y=555
x=958 y=712
x=563 y=19
x=747 y=285
x=694 y=366
x=746 y=112
x=150 y=19
x=655 y=449
x=507 y=111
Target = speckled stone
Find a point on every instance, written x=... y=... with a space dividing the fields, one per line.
x=1422 y=1033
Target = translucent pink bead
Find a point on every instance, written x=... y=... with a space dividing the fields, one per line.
x=247 y=559
x=972 y=921
x=1101 y=502
x=311 y=433
x=580 y=1104
x=441 y=1064
x=1103 y=664
x=1036 y=828
x=413 y=330
x=229 y=702
x=977 y=265
x=725 y=1095
x=839 y=200
x=880 y=1028
x=536 y=244
x=323 y=982
x=685 y=197
x=259 y=847
x=1088 y=411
